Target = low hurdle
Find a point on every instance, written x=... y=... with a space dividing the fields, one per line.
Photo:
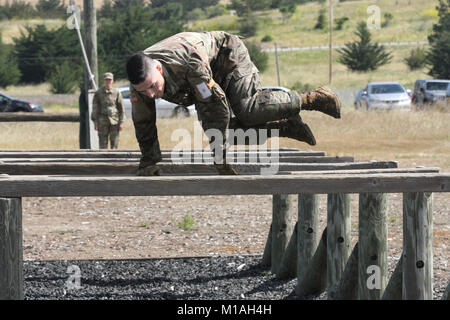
x=294 y=247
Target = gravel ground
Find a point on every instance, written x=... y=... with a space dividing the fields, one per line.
x=199 y=278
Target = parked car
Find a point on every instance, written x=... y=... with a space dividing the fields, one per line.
x=430 y=91
x=9 y=104
x=383 y=95
x=164 y=108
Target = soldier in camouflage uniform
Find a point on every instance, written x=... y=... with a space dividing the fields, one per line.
x=213 y=70
x=108 y=113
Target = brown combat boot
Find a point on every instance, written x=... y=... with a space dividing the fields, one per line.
x=294 y=128
x=323 y=100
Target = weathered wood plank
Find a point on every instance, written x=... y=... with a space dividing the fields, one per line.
x=137 y=154
x=54 y=186
x=446 y=295
x=307 y=231
x=118 y=167
x=11 y=265
x=347 y=287
x=38 y=117
x=372 y=264
x=315 y=280
x=339 y=235
x=394 y=287
x=417 y=246
x=283 y=221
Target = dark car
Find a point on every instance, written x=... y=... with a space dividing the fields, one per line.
x=9 y=104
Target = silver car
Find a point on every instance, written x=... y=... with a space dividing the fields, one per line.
x=383 y=95
x=164 y=108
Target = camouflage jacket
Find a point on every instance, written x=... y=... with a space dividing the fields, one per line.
x=108 y=105
x=197 y=68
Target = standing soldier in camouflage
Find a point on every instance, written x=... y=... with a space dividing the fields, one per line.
x=108 y=113
x=214 y=71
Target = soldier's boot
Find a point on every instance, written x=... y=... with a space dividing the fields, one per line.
x=322 y=99
x=293 y=128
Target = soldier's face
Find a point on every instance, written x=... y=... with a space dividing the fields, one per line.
x=108 y=83
x=153 y=85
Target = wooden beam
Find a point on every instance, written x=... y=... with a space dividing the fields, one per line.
x=78 y=186
x=283 y=223
x=307 y=231
x=11 y=263
x=394 y=287
x=117 y=167
x=38 y=117
x=372 y=248
x=339 y=239
x=417 y=246
x=137 y=154
x=347 y=287
x=315 y=280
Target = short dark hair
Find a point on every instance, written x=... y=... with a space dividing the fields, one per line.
x=137 y=67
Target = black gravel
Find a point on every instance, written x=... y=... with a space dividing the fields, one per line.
x=209 y=278
x=238 y=277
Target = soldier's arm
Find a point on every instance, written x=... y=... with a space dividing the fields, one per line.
x=120 y=107
x=95 y=107
x=144 y=119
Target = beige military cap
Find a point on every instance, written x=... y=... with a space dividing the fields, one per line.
x=108 y=75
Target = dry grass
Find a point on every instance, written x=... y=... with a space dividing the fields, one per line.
x=412 y=138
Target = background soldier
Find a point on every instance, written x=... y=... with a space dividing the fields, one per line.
x=214 y=71
x=108 y=113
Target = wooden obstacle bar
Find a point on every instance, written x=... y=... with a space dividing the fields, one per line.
x=320 y=263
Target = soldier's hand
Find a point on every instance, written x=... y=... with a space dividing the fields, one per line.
x=153 y=170
x=225 y=169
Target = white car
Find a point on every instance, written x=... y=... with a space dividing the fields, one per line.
x=383 y=95
x=164 y=108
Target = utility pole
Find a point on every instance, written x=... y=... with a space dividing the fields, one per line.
x=90 y=76
x=276 y=62
x=90 y=31
x=331 y=43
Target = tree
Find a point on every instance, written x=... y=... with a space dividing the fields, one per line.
x=439 y=39
x=321 y=20
x=363 y=55
x=51 y=8
x=9 y=71
x=417 y=59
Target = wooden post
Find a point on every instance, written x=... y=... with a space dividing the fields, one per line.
x=277 y=65
x=11 y=264
x=339 y=236
x=394 y=287
x=314 y=281
x=282 y=226
x=446 y=295
x=347 y=287
x=288 y=265
x=267 y=256
x=307 y=231
x=93 y=134
x=372 y=264
x=417 y=246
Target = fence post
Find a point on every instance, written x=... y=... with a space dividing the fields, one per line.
x=11 y=264
x=92 y=133
x=394 y=287
x=267 y=255
x=307 y=231
x=417 y=246
x=282 y=227
x=338 y=237
x=372 y=262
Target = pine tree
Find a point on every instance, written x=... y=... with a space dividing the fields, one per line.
x=9 y=72
x=439 y=54
x=363 y=55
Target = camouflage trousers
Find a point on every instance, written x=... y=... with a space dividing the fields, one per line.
x=107 y=131
x=250 y=104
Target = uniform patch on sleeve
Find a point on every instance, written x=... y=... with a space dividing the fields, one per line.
x=133 y=97
x=204 y=91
